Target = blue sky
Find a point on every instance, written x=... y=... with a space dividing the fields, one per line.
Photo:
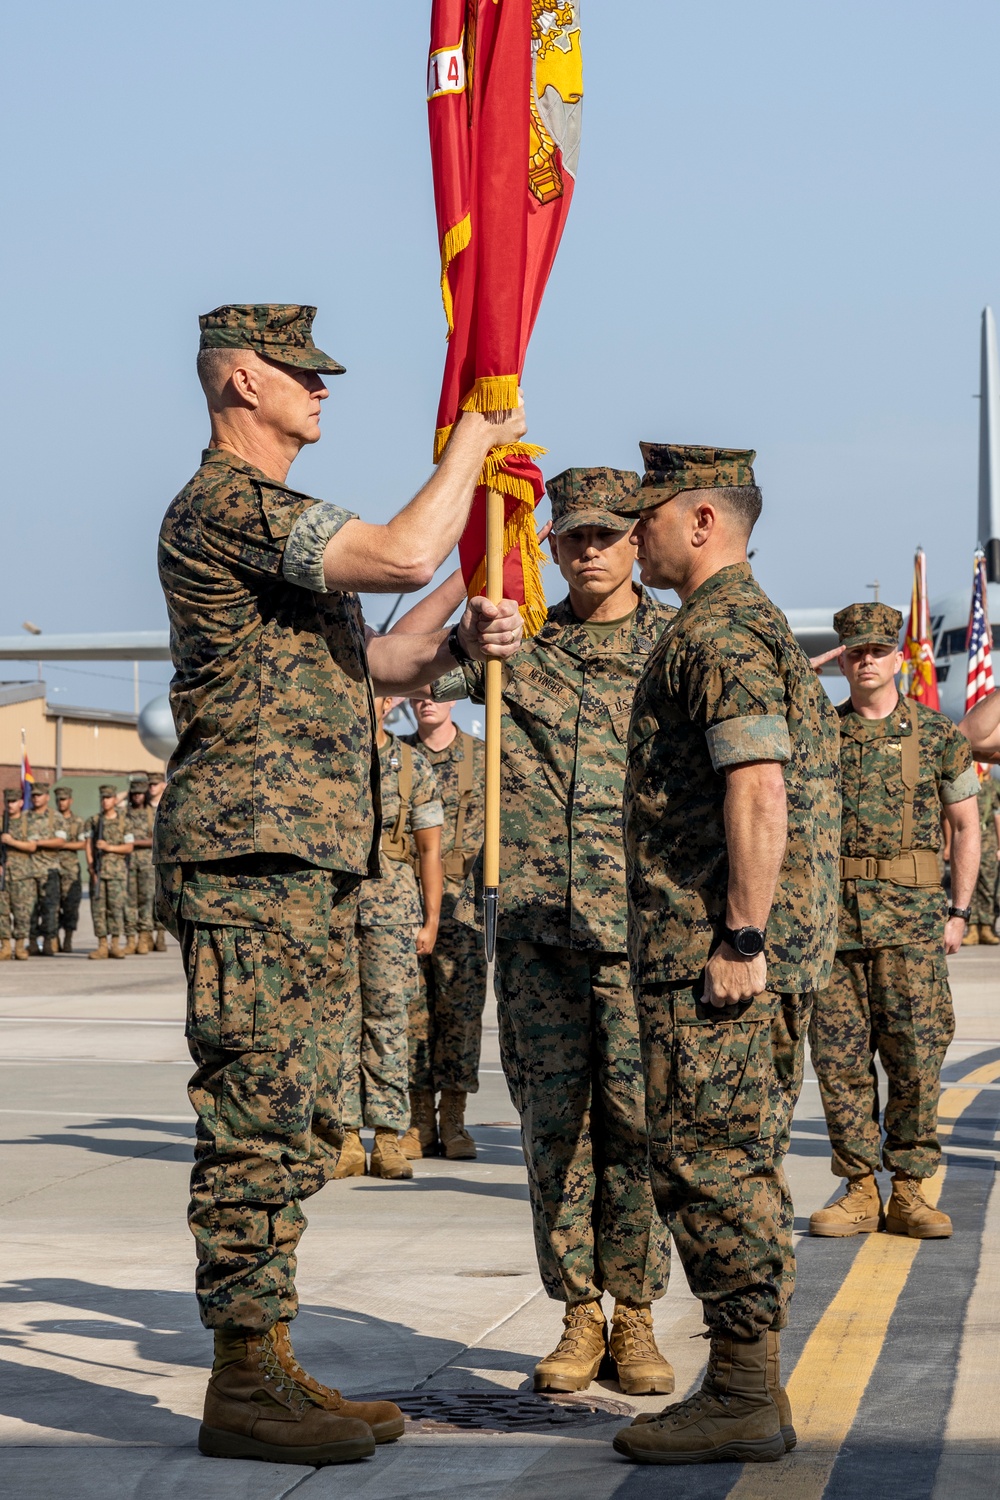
x=786 y=226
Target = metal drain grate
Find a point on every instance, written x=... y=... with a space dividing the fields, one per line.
x=502 y=1411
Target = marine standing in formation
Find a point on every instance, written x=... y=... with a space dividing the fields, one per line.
x=397 y=922
x=904 y=767
x=141 y=876
x=269 y=822
x=732 y=816
x=983 y=916
x=446 y=1015
x=568 y=1031
x=19 y=882
x=70 y=883
x=157 y=783
x=109 y=850
x=44 y=828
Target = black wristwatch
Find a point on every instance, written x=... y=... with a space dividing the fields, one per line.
x=965 y=912
x=747 y=941
x=456 y=648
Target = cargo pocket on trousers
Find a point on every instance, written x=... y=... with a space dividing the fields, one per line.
x=725 y=1089
x=228 y=1005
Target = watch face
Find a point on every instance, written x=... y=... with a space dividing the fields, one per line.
x=749 y=941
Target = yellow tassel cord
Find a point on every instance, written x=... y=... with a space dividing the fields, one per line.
x=493 y=393
x=457 y=239
x=519 y=531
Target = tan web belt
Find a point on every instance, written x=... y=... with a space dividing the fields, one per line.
x=919 y=867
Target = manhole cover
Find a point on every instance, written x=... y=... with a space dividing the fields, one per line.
x=502 y=1411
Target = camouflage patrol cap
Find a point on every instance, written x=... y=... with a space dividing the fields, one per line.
x=109 y=791
x=591 y=497
x=63 y=791
x=156 y=778
x=138 y=783
x=12 y=794
x=282 y=333
x=674 y=467
x=868 y=625
x=40 y=789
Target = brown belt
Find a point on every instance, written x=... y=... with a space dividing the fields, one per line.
x=917 y=868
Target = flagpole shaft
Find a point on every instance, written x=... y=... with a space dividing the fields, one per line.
x=494 y=679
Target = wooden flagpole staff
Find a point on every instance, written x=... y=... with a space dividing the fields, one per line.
x=494 y=683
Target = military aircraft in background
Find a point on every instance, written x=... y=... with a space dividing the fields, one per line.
x=813 y=628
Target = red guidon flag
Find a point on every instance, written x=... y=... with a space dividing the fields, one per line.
x=504 y=95
x=918 y=678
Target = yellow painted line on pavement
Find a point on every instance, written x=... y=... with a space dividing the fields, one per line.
x=830 y=1379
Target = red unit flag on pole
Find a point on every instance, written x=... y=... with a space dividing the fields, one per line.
x=504 y=98
x=919 y=674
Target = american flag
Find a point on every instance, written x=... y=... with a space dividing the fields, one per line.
x=979 y=683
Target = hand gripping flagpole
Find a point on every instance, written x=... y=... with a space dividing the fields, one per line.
x=494 y=681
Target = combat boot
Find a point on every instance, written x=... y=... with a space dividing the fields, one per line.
x=859 y=1211
x=101 y=951
x=908 y=1212
x=257 y=1407
x=642 y=1370
x=971 y=939
x=732 y=1419
x=6 y=952
x=352 y=1161
x=422 y=1137
x=131 y=943
x=66 y=945
x=144 y=943
x=21 y=948
x=50 y=947
x=160 y=946
x=386 y=1159
x=988 y=935
x=113 y=949
x=456 y=1142
x=576 y=1359
x=34 y=948
x=777 y=1391
x=383 y=1417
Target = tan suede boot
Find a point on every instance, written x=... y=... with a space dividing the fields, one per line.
x=576 y=1359
x=987 y=935
x=859 y=1211
x=113 y=949
x=21 y=949
x=50 y=947
x=352 y=1161
x=144 y=943
x=422 y=1137
x=256 y=1407
x=387 y=1160
x=66 y=943
x=642 y=1370
x=131 y=943
x=777 y=1391
x=908 y=1212
x=456 y=1142
x=160 y=946
x=34 y=948
x=383 y=1417
x=971 y=939
x=732 y=1419
x=101 y=951
x=6 y=951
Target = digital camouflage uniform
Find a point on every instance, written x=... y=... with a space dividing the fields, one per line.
x=984 y=899
x=141 y=873
x=70 y=884
x=264 y=830
x=726 y=685
x=446 y=1016
x=107 y=906
x=374 y=1089
x=569 y=1037
x=38 y=893
x=17 y=868
x=888 y=991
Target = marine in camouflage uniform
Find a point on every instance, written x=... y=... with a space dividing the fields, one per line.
x=446 y=1014
x=141 y=874
x=726 y=688
x=108 y=872
x=17 y=866
x=70 y=883
x=47 y=831
x=888 y=991
x=374 y=1089
x=569 y=1036
x=983 y=916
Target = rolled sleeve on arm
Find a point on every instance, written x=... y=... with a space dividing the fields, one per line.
x=749 y=738
x=964 y=786
x=451 y=687
x=426 y=815
x=302 y=562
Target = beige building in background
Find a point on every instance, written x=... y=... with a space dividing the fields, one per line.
x=65 y=742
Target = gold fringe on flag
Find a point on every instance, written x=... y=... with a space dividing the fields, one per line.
x=457 y=239
x=519 y=531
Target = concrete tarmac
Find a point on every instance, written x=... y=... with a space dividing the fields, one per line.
x=430 y=1288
